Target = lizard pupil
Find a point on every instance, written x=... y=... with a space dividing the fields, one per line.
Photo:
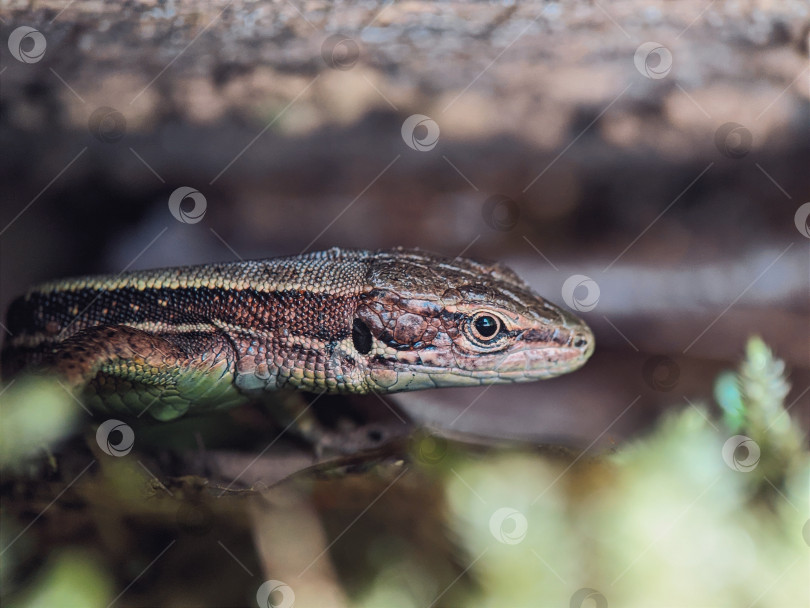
x=361 y=337
x=486 y=326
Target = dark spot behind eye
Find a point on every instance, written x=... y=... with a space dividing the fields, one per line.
x=361 y=337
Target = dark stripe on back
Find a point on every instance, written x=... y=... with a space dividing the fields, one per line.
x=301 y=313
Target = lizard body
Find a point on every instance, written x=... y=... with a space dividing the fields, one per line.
x=204 y=337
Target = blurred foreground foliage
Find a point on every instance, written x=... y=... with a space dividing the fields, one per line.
x=37 y=414
x=72 y=578
x=700 y=512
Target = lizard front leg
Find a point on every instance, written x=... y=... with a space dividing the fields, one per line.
x=128 y=371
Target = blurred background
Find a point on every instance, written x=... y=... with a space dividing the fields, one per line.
x=644 y=163
x=673 y=187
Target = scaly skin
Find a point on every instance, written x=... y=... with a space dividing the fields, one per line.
x=341 y=321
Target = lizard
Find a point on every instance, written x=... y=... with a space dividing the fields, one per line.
x=199 y=338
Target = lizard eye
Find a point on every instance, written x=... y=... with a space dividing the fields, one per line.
x=485 y=326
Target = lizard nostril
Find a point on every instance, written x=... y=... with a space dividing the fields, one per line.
x=580 y=341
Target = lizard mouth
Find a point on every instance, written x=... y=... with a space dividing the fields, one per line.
x=545 y=362
x=526 y=364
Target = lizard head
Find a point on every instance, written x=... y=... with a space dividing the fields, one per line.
x=429 y=322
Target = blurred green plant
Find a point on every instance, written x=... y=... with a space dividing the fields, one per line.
x=71 y=578
x=36 y=413
x=753 y=403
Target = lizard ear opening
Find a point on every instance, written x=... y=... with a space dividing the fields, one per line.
x=361 y=337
